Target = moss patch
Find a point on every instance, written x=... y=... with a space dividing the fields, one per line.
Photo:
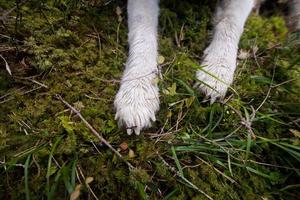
x=78 y=49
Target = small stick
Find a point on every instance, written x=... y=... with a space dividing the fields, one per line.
x=225 y=176
x=246 y=122
x=17 y=165
x=268 y=93
x=34 y=81
x=7 y=13
x=183 y=178
x=86 y=184
x=6 y=65
x=99 y=41
x=95 y=133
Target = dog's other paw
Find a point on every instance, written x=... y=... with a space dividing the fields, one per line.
x=136 y=103
x=214 y=79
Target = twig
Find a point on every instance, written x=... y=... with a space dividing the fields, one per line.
x=284 y=82
x=96 y=98
x=34 y=81
x=6 y=65
x=57 y=164
x=99 y=41
x=4 y=48
x=96 y=147
x=217 y=170
x=271 y=165
x=8 y=98
x=294 y=122
x=87 y=185
x=7 y=13
x=37 y=166
x=17 y=165
x=269 y=91
x=95 y=133
x=183 y=178
x=39 y=83
x=246 y=122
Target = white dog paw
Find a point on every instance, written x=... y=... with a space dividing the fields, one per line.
x=136 y=103
x=214 y=79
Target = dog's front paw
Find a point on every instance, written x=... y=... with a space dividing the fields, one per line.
x=215 y=78
x=136 y=103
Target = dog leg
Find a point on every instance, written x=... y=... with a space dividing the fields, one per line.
x=219 y=60
x=138 y=98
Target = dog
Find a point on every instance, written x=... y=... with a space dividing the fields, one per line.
x=137 y=100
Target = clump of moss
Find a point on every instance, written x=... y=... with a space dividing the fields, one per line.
x=78 y=48
x=263 y=32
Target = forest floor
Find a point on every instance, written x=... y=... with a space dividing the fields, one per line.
x=245 y=147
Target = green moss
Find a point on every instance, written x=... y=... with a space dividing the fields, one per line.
x=263 y=32
x=72 y=48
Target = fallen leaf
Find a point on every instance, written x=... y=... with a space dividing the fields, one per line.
x=75 y=194
x=78 y=105
x=160 y=60
x=123 y=146
x=118 y=10
x=131 y=153
x=119 y=13
x=23 y=63
x=6 y=65
x=243 y=54
x=295 y=132
x=88 y=180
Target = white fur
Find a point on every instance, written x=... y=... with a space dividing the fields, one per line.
x=137 y=99
x=219 y=60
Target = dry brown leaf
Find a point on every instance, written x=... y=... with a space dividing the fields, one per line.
x=131 y=153
x=243 y=54
x=75 y=194
x=160 y=60
x=123 y=146
x=119 y=13
x=88 y=180
x=295 y=132
x=118 y=10
x=78 y=105
x=6 y=65
x=23 y=63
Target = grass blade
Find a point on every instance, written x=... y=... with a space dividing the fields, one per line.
x=49 y=166
x=249 y=142
x=177 y=161
x=26 y=166
x=73 y=173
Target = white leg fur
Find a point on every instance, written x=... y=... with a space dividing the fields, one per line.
x=137 y=99
x=219 y=57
